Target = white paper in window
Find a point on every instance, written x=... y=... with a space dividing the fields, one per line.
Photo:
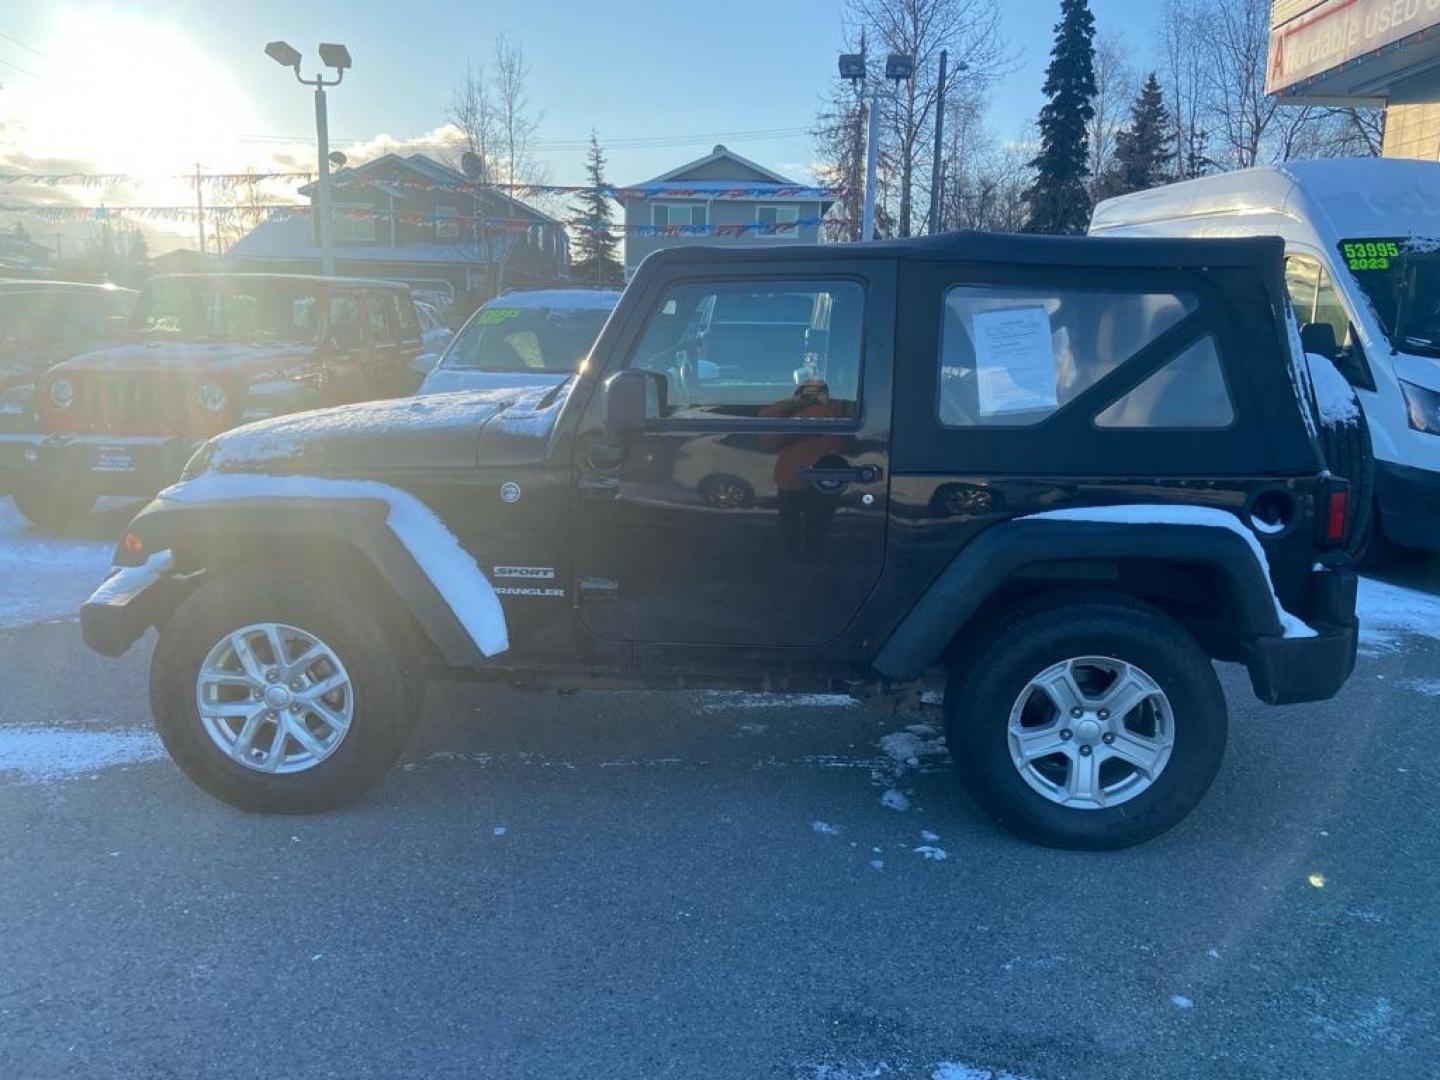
x=1015 y=365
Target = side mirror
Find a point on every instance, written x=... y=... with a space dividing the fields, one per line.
x=629 y=402
x=115 y=326
x=1319 y=338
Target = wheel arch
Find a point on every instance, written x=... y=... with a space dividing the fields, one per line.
x=1206 y=579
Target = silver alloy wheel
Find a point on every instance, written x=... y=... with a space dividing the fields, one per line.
x=1091 y=732
x=274 y=698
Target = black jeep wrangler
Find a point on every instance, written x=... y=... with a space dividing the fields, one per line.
x=1059 y=476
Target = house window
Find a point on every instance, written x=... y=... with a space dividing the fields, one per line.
x=777 y=214
x=447 y=230
x=353 y=223
x=672 y=213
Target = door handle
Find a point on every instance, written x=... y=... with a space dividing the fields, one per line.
x=603 y=489
x=833 y=479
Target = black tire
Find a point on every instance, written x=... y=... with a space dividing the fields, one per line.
x=983 y=689
x=54 y=508
x=386 y=686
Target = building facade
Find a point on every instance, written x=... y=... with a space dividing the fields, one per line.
x=1382 y=53
x=719 y=199
x=416 y=220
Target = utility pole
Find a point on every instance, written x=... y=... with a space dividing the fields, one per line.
x=935 y=192
x=872 y=158
x=199 y=208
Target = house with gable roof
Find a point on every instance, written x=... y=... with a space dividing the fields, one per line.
x=413 y=219
x=719 y=199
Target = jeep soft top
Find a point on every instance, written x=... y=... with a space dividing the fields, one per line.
x=1056 y=476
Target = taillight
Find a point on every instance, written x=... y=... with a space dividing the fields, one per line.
x=1336 y=513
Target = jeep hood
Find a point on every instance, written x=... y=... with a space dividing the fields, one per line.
x=377 y=437
x=182 y=356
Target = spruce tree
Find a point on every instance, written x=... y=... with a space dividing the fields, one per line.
x=1142 y=151
x=1057 y=201
x=595 y=241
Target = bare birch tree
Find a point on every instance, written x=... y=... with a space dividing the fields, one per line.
x=515 y=120
x=1115 y=88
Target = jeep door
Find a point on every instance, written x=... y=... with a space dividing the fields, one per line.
x=751 y=510
x=385 y=359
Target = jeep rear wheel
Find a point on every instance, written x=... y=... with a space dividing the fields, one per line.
x=55 y=508
x=1087 y=724
x=275 y=692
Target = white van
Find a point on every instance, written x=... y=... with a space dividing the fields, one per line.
x=1362 y=239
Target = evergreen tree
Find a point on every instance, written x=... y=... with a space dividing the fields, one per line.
x=1142 y=151
x=1057 y=200
x=595 y=241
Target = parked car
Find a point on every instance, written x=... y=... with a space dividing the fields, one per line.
x=533 y=338
x=42 y=323
x=1362 y=264
x=1056 y=477
x=202 y=353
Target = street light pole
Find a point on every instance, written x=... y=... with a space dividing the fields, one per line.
x=332 y=56
x=322 y=140
x=935 y=192
x=872 y=159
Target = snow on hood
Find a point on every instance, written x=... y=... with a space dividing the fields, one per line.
x=152 y=355
x=295 y=437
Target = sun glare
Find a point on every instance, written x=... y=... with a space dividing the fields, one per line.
x=134 y=95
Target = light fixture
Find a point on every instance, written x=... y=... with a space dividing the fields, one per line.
x=335 y=56
x=899 y=66
x=852 y=66
x=283 y=53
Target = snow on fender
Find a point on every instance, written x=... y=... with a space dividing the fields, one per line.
x=450 y=568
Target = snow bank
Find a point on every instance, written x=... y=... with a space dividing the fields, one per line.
x=46 y=754
x=1388 y=612
x=450 y=568
x=1204 y=516
x=1333 y=394
x=42 y=577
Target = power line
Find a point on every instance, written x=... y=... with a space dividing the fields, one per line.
x=27 y=48
x=656 y=142
x=23 y=71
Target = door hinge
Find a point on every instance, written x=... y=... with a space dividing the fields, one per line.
x=597 y=590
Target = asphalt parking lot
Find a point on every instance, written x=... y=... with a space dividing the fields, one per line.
x=694 y=885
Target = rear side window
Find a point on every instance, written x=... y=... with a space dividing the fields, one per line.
x=345 y=321
x=758 y=350
x=1188 y=392
x=1014 y=356
x=409 y=321
x=382 y=332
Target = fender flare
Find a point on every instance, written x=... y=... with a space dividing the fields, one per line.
x=207 y=528
x=999 y=552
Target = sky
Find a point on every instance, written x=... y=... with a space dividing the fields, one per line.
x=161 y=85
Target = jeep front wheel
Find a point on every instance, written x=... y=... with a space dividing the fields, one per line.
x=1087 y=724
x=275 y=692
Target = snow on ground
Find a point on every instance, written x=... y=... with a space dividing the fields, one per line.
x=719 y=700
x=44 y=576
x=1389 y=612
x=871 y=1070
x=48 y=754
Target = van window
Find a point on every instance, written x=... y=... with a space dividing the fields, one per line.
x=760 y=350
x=1313 y=296
x=1013 y=356
x=1188 y=392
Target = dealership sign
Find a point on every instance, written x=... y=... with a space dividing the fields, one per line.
x=1339 y=31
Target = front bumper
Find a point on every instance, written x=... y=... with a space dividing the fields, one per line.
x=1409 y=501
x=1288 y=670
x=128 y=602
x=97 y=464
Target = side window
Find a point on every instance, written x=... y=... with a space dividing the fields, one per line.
x=1188 y=392
x=77 y=319
x=766 y=350
x=1313 y=296
x=381 y=332
x=1014 y=356
x=14 y=327
x=409 y=320
x=345 y=321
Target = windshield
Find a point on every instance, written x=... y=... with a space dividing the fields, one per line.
x=526 y=339
x=230 y=309
x=1401 y=278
